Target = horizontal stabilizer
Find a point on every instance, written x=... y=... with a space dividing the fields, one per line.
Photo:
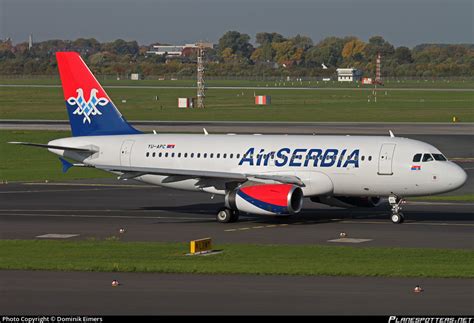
x=53 y=146
x=66 y=164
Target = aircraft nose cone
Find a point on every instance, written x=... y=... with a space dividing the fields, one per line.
x=457 y=177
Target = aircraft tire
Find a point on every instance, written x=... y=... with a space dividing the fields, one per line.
x=224 y=215
x=397 y=218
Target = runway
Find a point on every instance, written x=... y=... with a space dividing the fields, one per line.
x=40 y=292
x=317 y=128
x=314 y=88
x=97 y=209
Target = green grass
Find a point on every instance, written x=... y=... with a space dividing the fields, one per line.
x=447 y=198
x=236 y=259
x=461 y=83
x=20 y=163
x=238 y=105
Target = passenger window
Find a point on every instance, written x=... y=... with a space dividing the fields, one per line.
x=199 y=155
x=172 y=155
x=231 y=155
x=179 y=155
x=192 y=155
x=212 y=155
x=370 y=158
x=363 y=157
x=417 y=158
x=238 y=155
x=218 y=155
x=427 y=158
x=154 y=154
x=148 y=154
x=185 y=155
x=224 y=156
x=166 y=154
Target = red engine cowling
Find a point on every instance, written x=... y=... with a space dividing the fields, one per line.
x=268 y=199
x=348 y=201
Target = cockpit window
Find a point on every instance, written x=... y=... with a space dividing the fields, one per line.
x=427 y=158
x=417 y=157
x=439 y=157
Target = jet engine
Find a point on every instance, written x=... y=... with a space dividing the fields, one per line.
x=267 y=199
x=348 y=201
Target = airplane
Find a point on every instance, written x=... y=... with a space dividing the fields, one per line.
x=257 y=174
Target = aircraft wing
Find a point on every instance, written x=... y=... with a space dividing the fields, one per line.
x=180 y=174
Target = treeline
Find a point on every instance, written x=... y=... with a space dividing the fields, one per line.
x=234 y=55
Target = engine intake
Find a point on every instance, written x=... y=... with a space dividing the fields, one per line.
x=269 y=199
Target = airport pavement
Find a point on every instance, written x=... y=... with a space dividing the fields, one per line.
x=250 y=127
x=87 y=209
x=252 y=88
x=43 y=292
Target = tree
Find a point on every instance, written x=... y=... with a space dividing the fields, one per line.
x=378 y=45
x=303 y=42
x=403 y=55
x=237 y=42
x=328 y=52
x=121 y=47
x=268 y=38
x=354 y=49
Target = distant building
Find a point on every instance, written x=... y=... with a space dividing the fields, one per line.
x=348 y=74
x=177 y=50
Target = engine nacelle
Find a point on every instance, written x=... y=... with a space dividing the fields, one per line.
x=267 y=199
x=348 y=201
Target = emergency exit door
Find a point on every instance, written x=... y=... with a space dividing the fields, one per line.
x=126 y=152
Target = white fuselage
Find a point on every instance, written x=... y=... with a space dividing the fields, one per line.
x=327 y=165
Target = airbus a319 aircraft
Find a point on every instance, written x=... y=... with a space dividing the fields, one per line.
x=257 y=174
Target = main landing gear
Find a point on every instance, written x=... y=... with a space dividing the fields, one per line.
x=396 y=205
x=226 y=215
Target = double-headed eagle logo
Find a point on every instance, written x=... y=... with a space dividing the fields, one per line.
x=87 y=108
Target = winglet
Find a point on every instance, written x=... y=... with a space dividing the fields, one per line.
x=205 y=131
x=391 y=134
x=66 y=164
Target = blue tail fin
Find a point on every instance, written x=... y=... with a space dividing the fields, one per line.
x=91 y=111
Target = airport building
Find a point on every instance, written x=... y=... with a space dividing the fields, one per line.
x=177 y=50
x=348 y=74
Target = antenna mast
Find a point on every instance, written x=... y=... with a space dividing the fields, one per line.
x=201 y=88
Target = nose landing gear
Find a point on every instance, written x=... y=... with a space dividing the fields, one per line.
x=396 y=205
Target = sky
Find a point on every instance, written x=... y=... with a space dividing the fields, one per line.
x=401 y=22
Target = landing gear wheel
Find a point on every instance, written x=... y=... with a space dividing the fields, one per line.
x=396 y=204
x=397 y=218
x=226 y=215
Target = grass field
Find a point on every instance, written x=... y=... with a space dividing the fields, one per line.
x=466 y=83
x=236 y=259
x=238 y=105
x=20 y=163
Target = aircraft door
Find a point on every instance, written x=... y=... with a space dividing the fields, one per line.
x=126 y=153
x=386 y=159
